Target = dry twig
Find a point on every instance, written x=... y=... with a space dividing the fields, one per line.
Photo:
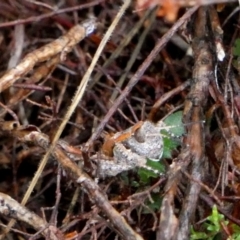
x=62 y=45
x=11 y=208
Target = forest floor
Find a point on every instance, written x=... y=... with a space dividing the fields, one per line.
x=137 y=141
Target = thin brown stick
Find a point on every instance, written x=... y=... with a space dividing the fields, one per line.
x=48 y=15
x=134 y=80
x=165 y=97
x=79 y=176
x=11 y=208
x=43 y=52
x=193 y=152
x=62 y=45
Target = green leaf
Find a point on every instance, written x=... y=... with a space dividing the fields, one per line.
x=146 y=174
x=213 y=226
x=197 y=235
x=155 y=205
x=236 y=229
x=156 y=165
x=169 y=144
x=235 y=236
x=174 y=122
x=135 y=184
x=215 y=218
x=176 y=128
x=236 y=48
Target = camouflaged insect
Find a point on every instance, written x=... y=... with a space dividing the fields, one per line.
x=145 y=142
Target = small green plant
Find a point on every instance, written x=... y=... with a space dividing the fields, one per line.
x=212 y=227
x=236 y=233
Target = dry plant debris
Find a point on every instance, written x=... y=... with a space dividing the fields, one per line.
x=91 y=182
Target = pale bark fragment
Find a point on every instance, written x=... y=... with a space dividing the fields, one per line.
x=11 y=208
x=62 y=45
x=18 y=43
